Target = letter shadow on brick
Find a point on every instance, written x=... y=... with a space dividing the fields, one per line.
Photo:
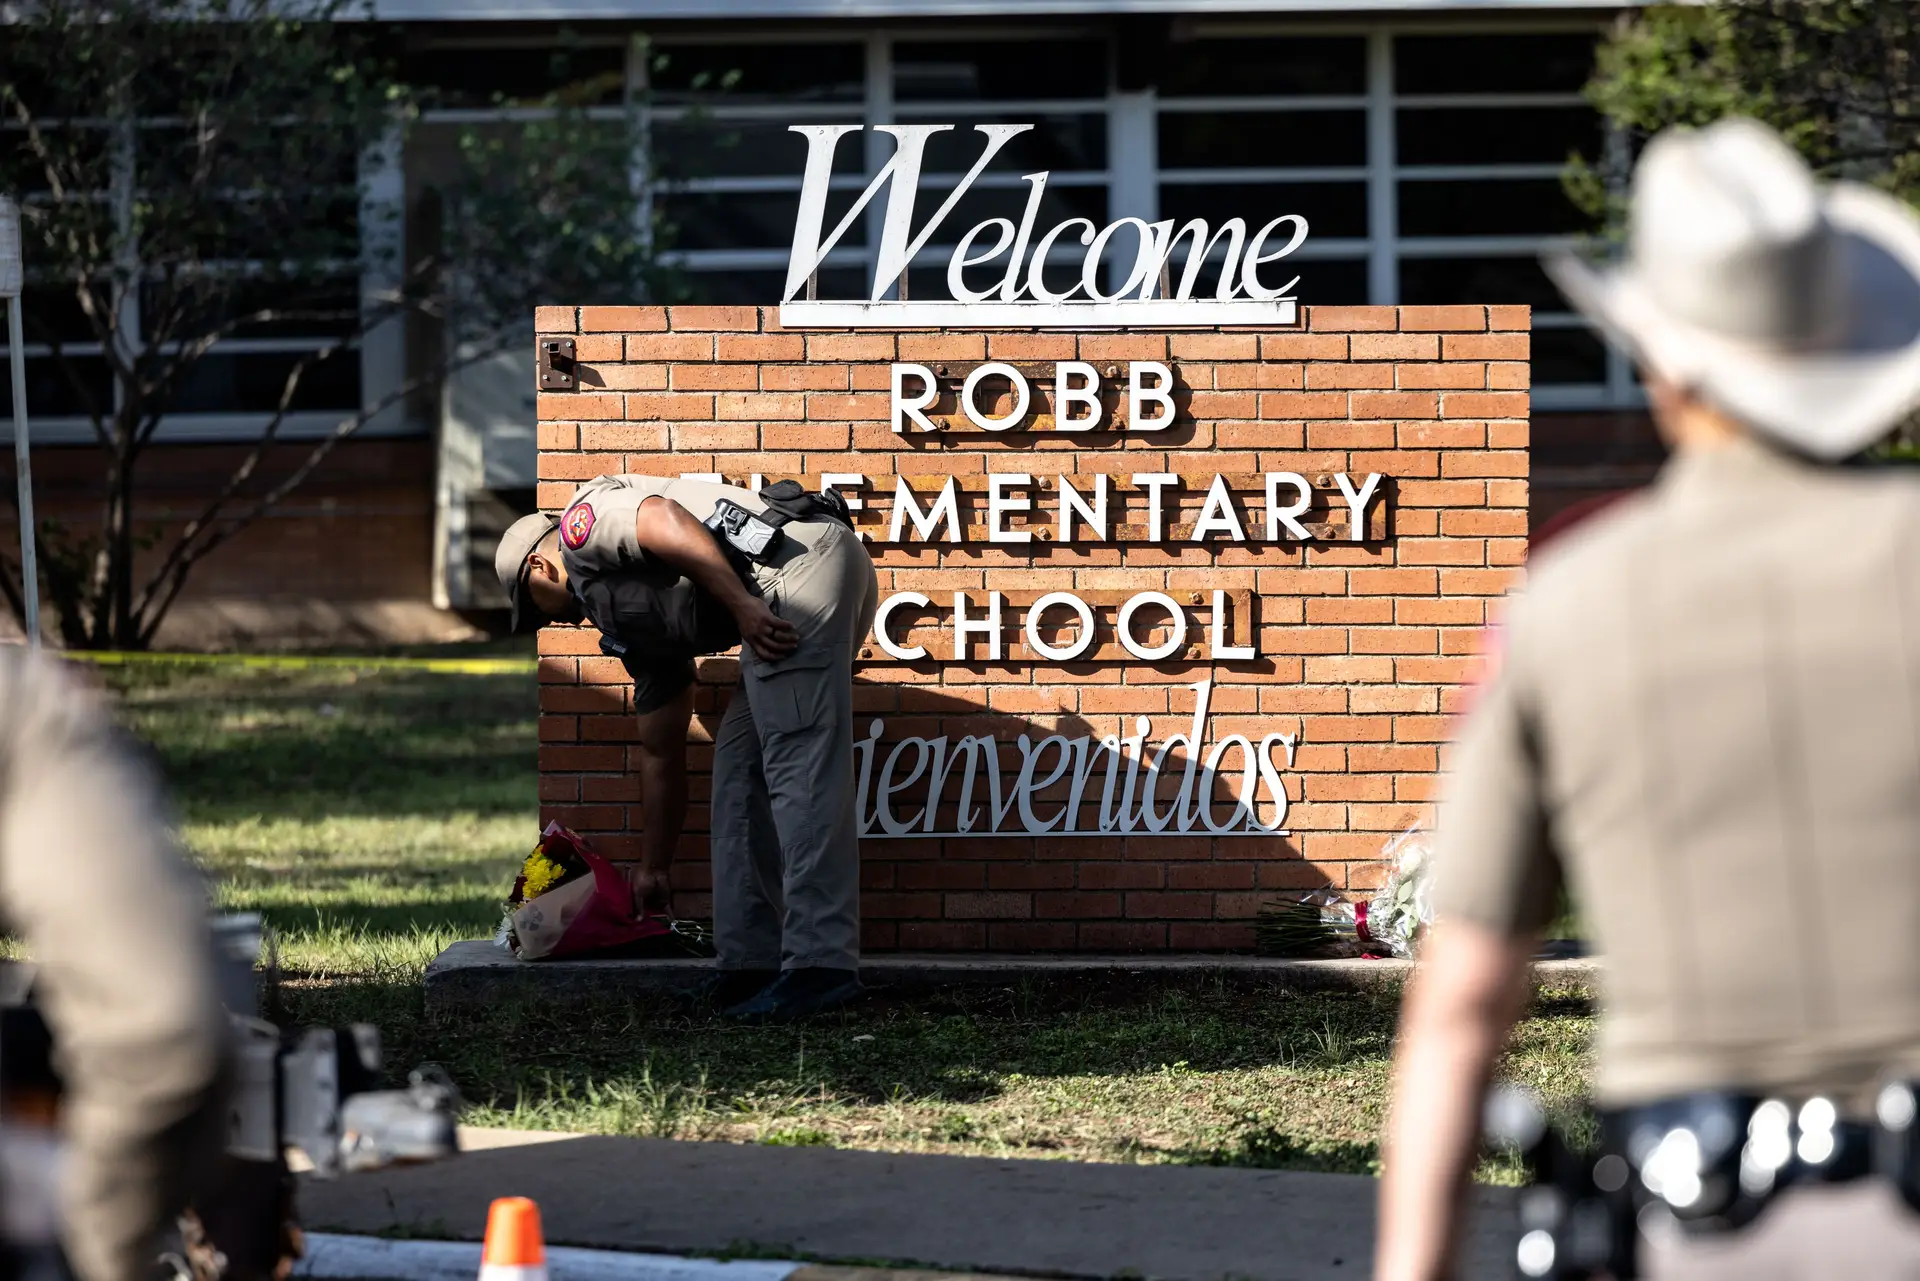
x=1001 y=817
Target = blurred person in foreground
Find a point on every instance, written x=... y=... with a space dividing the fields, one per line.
x=1705 y=722
x=115 y=923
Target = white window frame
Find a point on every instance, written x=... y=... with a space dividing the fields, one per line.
x=381 y=364
x=877 y=107
x=1385 y=248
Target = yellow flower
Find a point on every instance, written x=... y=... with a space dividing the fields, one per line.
x=540 y=873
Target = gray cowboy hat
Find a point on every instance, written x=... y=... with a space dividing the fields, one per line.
x=1793 y=306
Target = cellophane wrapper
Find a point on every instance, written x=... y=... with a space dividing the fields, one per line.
x=1400 y=913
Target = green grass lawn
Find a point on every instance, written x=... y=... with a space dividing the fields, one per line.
x=375 y=816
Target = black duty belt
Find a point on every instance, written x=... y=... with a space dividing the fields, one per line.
x=755 y=537
x=1702 y=1163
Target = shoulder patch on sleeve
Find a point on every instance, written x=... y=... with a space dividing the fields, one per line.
x=576 y=524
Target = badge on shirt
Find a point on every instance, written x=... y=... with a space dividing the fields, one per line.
x=576 y=525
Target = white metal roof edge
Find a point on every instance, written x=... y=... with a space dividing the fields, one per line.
x=722 y=10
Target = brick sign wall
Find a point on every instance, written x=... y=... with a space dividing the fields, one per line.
x=1303 y=532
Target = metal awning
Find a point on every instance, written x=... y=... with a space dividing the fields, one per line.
x=764 y=10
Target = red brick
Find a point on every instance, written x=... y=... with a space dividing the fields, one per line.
x=760 y=406
x=1395 y=346
x=624 y=320
x=1303 y=346
x=1456 y=319
x=1321 y=376
x=577 y=467
x=556 y=320
x=1485 y=404
x=1075 y=905
x=576 y=406
x=941 y=936
x=1031 y=936
x=632 y=377
x=863 y=347
x=624 y=437
x=1032 y=346
x=598 y=347
x=1453 y=374
x=803 y=377
x=715 y=378
x=670 y=405
x=1442 y=435
x=712 y=318
x=669 y=347
x=1294 y=404
x=1485 y=346
x=1352 y=319
x=1509 y=376
x=1396 y=404
x=1121 y=876
x=1123 y=347
x=760 y=348
x=1214 y=346
x=825 y=405
x=939 y=347
x=1163 y=904
x=1392 y=758
x=1478 y=582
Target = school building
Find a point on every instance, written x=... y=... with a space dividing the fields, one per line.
x=1423 y=142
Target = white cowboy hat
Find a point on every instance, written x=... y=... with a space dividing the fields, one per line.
x=1791 y=306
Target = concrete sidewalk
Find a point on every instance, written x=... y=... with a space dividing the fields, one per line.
x=952 y=1213
x=477 y=972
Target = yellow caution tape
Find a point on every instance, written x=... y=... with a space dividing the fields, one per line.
x=298 y=662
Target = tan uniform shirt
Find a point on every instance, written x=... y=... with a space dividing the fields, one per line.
x=1706 y=717
x=599 y=539
x=116 y=924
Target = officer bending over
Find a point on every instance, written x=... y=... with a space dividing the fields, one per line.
x=792 y=584
x=116 y=925
x=1706 y=720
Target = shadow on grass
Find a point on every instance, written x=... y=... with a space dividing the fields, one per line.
x=1268 y=1148
x=1214 y=1071
x=960 y=1046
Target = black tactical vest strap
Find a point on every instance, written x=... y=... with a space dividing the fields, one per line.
x=786 y=501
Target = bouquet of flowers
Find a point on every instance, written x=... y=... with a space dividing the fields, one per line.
x=1316 y=924
x=1403 y=908
x=569 y=901
x=1324 y=924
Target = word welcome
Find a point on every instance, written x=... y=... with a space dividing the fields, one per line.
x=1131 y=774
x=1021 y=295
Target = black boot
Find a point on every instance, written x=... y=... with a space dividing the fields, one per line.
x=729 y=988
x=799 y=994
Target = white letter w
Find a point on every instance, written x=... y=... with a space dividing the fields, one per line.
x=903 y=171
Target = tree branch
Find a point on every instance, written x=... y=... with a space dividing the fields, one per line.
x=182 y=557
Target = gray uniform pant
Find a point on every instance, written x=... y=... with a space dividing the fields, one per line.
x=785 y=837
x=1859 y=1231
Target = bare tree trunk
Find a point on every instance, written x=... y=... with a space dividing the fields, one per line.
x=117 y=608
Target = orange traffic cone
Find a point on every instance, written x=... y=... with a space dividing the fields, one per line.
x=514 y=1251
